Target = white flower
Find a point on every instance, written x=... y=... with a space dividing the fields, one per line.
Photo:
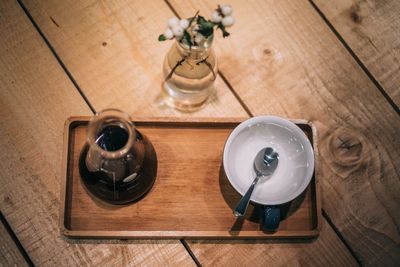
x=173 y=22
x=228 y=21
x=168 y=34
x=226 y=10
x=198 y=38
x=184 y=23
x=178 y=31
x=216 y=17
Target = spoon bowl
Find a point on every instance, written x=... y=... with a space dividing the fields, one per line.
x=265 y=162
x=264 y=165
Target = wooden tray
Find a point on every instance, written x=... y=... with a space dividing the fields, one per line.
x=191 y=198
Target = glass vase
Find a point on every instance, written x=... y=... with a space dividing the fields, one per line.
x=189 y=75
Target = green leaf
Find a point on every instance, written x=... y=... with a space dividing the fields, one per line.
x=188 y=39
x=204 y=23
x=201 y=19
x=206 y=31
x=206 y=28
x=162 y=38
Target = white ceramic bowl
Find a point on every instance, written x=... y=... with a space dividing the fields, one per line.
x=296 y=159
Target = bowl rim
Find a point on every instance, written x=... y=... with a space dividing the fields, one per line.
x=280 y=121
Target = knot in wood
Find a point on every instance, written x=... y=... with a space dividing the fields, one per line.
x=362 y=9
x=355 y=14
x=346 y=146
x=7 y=200
x=347 y=151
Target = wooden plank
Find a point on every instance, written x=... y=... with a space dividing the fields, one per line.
x=371 y=29
x=35 y=99
x=325 y=251
x=112 y=51
x=9 y=252
x=296 y=67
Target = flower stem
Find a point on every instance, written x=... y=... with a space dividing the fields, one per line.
x=174 y=68
x=208 y=65
x=193 y=18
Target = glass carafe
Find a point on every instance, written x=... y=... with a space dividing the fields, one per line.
x=117 y=164
x=189 y=75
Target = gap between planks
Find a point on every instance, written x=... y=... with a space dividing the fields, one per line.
x=14 y=238
x=53 y=51
x=356 y=58
x=341 y=237
x=187 y=247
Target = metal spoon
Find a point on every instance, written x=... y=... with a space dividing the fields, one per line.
x=265 y=163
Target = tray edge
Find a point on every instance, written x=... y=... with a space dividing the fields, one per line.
x=64 y=168
x=249 y=235
x=304 y=235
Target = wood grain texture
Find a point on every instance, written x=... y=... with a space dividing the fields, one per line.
x=371 y=29
x=35 y=99
x=112 y=51
x=296 y=67
x=197 y=178
x=9 y=252
x=325 y=251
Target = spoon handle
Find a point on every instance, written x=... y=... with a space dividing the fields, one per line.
x=241 y=207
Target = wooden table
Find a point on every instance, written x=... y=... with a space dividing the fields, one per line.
x=333 y=62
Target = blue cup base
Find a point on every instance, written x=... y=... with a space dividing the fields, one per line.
x=270 y=218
